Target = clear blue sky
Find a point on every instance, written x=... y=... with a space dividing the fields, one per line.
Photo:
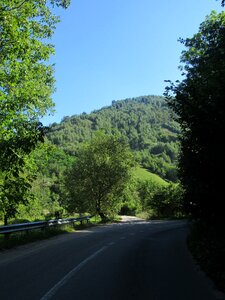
x=115 y=49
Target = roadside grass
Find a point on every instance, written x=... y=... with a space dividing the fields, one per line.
x=143 y=215
x=25 y=237
x=20 y=238
x=152 y=215
x=207 y=245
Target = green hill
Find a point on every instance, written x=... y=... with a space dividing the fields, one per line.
x=145 y=121
x=143 y=175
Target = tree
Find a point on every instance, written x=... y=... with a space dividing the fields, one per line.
x=198 y=101
x=167 y=201
x=26 y=80
x=13 y=191
x=26 y=85
x=99 y=175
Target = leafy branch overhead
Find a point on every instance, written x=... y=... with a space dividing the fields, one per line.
x=26 y=79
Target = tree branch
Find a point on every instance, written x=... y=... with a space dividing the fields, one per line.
x=15 y=7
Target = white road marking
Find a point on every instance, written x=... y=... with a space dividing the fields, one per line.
x=69 y=275
x=111 y=243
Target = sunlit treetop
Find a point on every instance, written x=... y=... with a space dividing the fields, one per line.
x=26 y=80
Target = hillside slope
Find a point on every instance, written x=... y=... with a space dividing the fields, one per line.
x=145 y=121
x=144 y=175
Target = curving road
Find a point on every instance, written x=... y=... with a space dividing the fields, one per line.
x=129 y=260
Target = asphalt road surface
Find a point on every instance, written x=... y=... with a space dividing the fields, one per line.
x=129 y=260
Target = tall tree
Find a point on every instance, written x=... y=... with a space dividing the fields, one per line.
x=199 y=102
x=99 y=175
x=26 y=80
x=26 y=84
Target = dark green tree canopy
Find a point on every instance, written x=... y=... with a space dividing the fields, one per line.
x=199 y=102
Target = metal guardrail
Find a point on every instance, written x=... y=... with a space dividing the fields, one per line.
x=40 y=224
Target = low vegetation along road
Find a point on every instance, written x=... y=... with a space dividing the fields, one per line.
x=129 y=260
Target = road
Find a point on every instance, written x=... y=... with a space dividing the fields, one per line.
x=129 y=260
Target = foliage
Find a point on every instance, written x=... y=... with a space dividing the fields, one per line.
x=146 y=191
x=159 y=198
x=198 y=101
x=167 y=201
x=13 y=191
x=26 y=85
x=51 y=163
x=144 y=175
x=26 y=81
x=130 y=200
x=15 y=180
x=97 y=178
x=146 y=123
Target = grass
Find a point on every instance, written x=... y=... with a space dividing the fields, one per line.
x=143 y=215
x=143 y=174
x=25 y=237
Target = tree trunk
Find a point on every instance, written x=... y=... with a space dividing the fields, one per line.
x=100 y=213
x=5 y=220
x=103 y=217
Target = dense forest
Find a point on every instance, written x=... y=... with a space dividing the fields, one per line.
x=145 y=121
x=144 y=124
x=198 y=101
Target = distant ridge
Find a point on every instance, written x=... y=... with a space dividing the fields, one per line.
x=145 y=121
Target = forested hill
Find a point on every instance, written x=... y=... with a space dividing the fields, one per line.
x=145 y=121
